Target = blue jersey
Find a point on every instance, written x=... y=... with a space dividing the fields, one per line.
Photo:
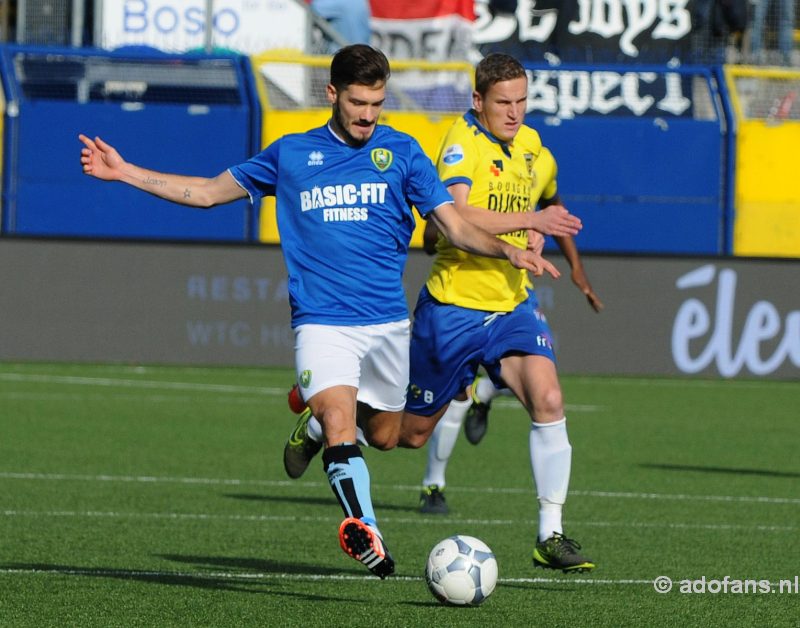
x=345 y=219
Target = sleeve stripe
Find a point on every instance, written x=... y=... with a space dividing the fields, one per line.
x=454 y=180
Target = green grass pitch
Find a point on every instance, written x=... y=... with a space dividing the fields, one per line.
x=155 y=496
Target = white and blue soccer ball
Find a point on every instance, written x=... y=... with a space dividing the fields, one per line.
x=461 y=571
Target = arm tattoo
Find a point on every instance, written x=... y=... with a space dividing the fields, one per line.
x=187 y=193
x=151 y=181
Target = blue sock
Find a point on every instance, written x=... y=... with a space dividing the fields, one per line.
x=349 y=478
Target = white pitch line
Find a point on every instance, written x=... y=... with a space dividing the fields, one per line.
x=95 y=514
x=665 y=382
x=262 y=576
x=756 y=499
x=227 y=575
x=110 y=382
x=451 y=521
x=513 y=403
x=177 y=516
x=141 y=397
x=256 y=398
x=137 y=383
x=678 y=382
x=148 y=479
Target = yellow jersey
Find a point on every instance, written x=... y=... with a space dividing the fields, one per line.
x=502 y=178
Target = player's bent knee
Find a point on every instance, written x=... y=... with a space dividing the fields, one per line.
x=383 y=442
x=381 y=429
x=413 y=441
x=415 y=429
x=549 y=405
x=414 y=434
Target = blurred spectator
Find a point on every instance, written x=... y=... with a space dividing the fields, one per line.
x=785 y=28
x=717 y=24
x=435 y=30
x=349 y=18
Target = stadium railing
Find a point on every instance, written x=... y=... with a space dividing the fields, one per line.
x=174 y=113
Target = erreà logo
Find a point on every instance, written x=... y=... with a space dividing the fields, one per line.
x=382 y=158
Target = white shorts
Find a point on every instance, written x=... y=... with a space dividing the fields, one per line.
x=371 y=358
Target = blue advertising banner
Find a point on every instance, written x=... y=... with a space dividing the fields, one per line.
x=182 y=114
x=641 y=154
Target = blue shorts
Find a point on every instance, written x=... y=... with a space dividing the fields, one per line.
x=449 y=343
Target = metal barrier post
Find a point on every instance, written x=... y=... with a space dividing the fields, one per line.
x=78 y=13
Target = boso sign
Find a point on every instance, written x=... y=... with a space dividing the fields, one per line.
x=705 y=334
x=248 y=26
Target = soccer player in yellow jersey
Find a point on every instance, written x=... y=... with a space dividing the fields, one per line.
x=483 y=391
x=474 y=311
x=473 y=409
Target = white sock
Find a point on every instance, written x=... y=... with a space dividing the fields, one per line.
x=549 y=519
x=315 y=432
x=485 y=390
x=442 y=441
x=551 y=461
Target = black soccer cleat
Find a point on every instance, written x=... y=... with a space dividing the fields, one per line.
x=432 y=502
x=477 y=420
x=300 y=449
x=559 y=552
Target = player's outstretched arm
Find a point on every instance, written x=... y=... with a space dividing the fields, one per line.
x=535 y=263
x=553 y=221
x=570 y=251
x=102 y=161
x=577 y=273
x=470 y=238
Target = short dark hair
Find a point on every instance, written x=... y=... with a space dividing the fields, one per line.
x=359 y=64
x=496 y=67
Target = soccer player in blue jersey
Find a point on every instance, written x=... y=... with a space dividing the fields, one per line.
x=344 y=193
x=475 y=311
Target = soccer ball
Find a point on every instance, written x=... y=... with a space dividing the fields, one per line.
x=461 y=571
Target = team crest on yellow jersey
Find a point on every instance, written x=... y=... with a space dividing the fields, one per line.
x=529 y=162
x=382 y=158
x=529 y=159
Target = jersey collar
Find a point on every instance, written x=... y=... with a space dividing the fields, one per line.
x=334 y=135
x=472 y=118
